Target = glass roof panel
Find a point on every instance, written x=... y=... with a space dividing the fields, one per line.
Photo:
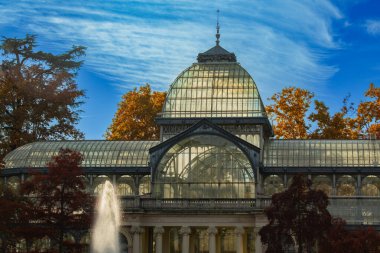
x=96 y=153
x=322 y=153
x=213 y=90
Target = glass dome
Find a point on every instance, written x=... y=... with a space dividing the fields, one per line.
x=213 y=89
x=204 y=166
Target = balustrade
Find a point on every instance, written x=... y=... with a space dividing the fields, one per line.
x=355 y=210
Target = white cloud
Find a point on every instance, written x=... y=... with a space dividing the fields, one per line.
x=373 y=27
x=130 y=43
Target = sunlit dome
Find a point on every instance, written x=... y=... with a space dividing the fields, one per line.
x=215 y=86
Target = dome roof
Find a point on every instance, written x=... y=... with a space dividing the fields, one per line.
x=216 y=86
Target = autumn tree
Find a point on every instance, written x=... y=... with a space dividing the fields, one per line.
x=288 y=111
x=337 y=126
x=368 y=112
x=14 y=210
x=61 y=203
x=341 y=240
x=134 y=119
x=39 y=97
x=298 y=212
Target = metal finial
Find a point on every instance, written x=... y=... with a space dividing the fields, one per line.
x=217 y=28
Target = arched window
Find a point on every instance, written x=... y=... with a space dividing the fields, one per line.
x=227 y=240
x=144 y=187
x=323 y=183
x=204 y=166
x=41 y=245
x=370 y=186
x=124 y=186
x=174 y=241
x=99 y=183
x=85 y=241
x=13 y=182
x=346 y=186
x=273 y=184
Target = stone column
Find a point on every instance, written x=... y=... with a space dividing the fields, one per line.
x=185 y=232
x=239 y=232
x=212 y=231
x=359 y=185
x=334 y=191
x=114 y=180
x=158 y=231
x=136 y=231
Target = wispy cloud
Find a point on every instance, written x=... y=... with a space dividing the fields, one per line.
x=373 y=27
x=129 y=43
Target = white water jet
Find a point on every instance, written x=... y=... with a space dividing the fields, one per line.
x=105 y=236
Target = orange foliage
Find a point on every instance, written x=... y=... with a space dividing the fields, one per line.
x=337 y=126
x=289 y=112
x=368 y=113
x=290 y=121
x=134 y=119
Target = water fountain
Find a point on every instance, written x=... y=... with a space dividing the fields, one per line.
x=105 y=236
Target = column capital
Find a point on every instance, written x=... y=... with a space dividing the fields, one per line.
x=158 y=230
x=212 y=230
x=136 y=230
x=239 y=231
x=185 y=231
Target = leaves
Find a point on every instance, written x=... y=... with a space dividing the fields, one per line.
x=39 y=97
x=60 y=200
x=368 y=112
x=291 y=106
x=134 y=119
x=298 y=212
x=289 y=112
x=337 y=126
x=341 y=240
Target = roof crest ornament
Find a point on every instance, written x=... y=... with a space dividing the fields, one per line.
x=217 y=53
x=217 y=28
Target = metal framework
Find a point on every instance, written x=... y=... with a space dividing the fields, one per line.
x=322 y=153
x=224 y=89
x=97 y=154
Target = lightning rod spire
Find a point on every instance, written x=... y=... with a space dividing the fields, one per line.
x=217 y=28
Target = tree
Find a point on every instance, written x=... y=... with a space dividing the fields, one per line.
x=298 y=212
x=134 y=119
x=337 y=126
x=289 y=112
x=60 y=202
x=13 y=212
x=39 y=97
x=341 y=240
x=368 y=112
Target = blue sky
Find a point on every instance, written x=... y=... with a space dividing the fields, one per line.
x=329 y=47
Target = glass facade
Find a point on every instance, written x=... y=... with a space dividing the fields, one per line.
x=322 y=153
x=95 y=153
x=213 y=90
x=204 y=166
x=273 y=184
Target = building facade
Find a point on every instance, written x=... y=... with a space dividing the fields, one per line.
x=203 y=186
